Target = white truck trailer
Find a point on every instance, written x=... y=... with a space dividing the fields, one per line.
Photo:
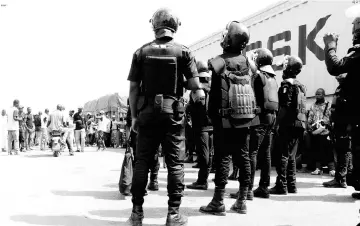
x=293 y=28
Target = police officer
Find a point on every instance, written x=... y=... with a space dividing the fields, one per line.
x=346 y=116
x=232 y=110
x=157 y=81
x=289 y=125
x=261 y=137
x=202 y=126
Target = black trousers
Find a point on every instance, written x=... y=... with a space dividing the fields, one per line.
x=355 y=146
x=260 y=144
x=154 y=166
x=227 y=143
x=344 y=156
x=203 y=142
x=289 y=137
x=167 y=130
x=322 y=152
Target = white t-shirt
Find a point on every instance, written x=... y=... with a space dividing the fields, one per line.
x=57 y=120
x=44 y=120
x=104 y=125
x=70 y=120
x=12 y=124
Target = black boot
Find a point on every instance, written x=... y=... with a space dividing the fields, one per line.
x=137 y=216
x=216 y=206
x=249 y=196
x=198 y=186
x=174 y=218
x=262 y=192
x=240 y=204
x=153 y=186
x=234 y=175
x=278 y=190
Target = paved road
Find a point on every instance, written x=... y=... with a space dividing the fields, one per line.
x=38 y=189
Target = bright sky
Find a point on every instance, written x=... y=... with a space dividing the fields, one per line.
x=74 y=51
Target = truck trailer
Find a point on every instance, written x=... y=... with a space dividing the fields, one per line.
x=293 y=28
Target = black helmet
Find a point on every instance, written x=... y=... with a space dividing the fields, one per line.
x=263 y=57
x=292 y=65
x=203 y=69
x=164 y=19
x=235 y=37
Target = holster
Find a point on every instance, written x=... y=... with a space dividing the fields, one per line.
x=165 y=104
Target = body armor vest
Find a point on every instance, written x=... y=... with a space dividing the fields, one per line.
x=161 y=70
x=271 y=98
x=237 y=95
x=301 y=102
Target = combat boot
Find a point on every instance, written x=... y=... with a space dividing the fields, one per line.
x=278 y=190
x=240 y=205
x=249 y=196
x=137 y=216
x=216 y=206
x=355 y=195
x=197 y=186
x=153 y=185
x=262 y=192
x=174 y=218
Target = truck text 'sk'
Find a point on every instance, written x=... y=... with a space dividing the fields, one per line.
x=294 y=28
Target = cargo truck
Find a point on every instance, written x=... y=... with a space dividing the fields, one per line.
x=293 y=28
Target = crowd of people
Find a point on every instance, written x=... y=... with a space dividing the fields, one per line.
x=237 y=113
x=23 y=131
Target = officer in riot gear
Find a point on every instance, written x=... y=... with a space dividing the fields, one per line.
x=198 y=107
x=159 y=73
x=266 y=88
x=232 y=107
x=289 y=125
x=345 y=117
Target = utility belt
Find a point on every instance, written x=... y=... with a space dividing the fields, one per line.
x=225 y=112
x=164 y=104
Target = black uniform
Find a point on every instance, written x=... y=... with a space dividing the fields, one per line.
x=262 y=135
x=202 y=128
x=160 y=67
x=291 y=129
x=345 y=116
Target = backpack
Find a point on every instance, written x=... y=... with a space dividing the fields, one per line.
x=238 y=98
x=271 y=98
x=301 y=102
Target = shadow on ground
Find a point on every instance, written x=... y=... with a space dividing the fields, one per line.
x=319 y=198
x=69 y=220
x=154 y=212
x=44 y=155
x=105 y=195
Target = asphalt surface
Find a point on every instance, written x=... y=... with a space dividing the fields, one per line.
x=82 y=190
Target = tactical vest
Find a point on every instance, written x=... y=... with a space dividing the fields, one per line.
x=237 y=94
x=161 y=69
x=271 y=98
x=301 y=102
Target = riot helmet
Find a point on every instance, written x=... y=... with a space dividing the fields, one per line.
x=235 y=37
x=164 y=23
x=203 y=71
x=292 y=66
x=354 y=12
x=263 y=59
